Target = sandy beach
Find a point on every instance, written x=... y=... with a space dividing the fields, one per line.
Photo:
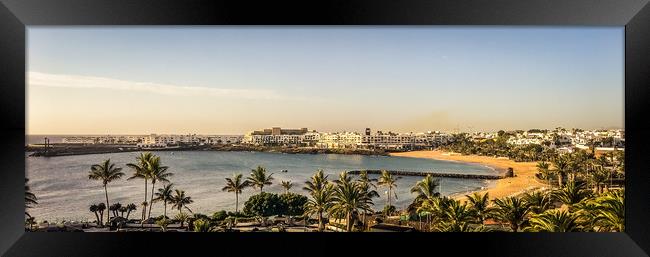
x=524 y=171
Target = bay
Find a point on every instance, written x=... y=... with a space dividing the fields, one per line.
x=64 y=191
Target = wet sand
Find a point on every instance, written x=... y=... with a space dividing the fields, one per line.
x=524 y=179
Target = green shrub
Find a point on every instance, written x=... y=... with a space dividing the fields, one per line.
x=201 y=225
x=264 y=205
x=294 y=204
x=219 y=216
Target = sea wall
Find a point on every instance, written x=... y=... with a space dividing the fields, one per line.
x=434 y=174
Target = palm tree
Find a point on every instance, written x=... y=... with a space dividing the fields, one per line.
x=30 y=198
x=561 y=164
x=348 y=199
x=287 y=185
x=511 y=210
x=157 y=172
x=363 y=178
x=236 y=185
x=130 y=207
x=140 y=171
x=554 y=220
x=321 y=192
x=164 y=194
x=544 y=171
x=479 y=204
x=182 y=217
x=317 y=183
x=598 y=176
x=343 y=179
x=180 y=201
x=115 y=208
x=386 y=179
x=94 y=209
x=538 y=201
x=427 y=188
x=101 y=207
x=105 y=172
x=573 y=193
x=258 y=178
x=144 y=211
x=610 y=211
x=456 y=217
x=367 y=188
x=122 y=210
x=31 y=222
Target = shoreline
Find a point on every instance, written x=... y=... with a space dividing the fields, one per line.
x=522 y=182
x=68 y=150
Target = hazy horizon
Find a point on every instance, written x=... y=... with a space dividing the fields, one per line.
x=231 y=80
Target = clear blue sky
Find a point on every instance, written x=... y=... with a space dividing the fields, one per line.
x=234 y=79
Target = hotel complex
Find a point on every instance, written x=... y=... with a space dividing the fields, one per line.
x=561 y=139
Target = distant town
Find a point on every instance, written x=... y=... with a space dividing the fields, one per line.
x=563 y=140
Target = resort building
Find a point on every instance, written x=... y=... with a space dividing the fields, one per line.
x=79 y=140
x=276 y=136
x=224 y=139
x=155 y=140
x=123 y=140
x=340 y=140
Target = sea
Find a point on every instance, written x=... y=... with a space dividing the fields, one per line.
x=64 y=191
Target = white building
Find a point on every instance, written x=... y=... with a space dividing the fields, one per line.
x=276 y=136
x=79 y=140
x=224 y=139
x=340 y=140
x=155 y=140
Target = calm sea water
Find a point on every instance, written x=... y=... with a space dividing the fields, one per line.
x=65 y=192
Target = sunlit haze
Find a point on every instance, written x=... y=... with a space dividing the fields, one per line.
x=230 y=80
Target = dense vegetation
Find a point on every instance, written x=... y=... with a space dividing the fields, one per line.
x=462 y=143
x=583 y=194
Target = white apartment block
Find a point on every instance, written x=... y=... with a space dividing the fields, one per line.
x=155 y=140
x=79 y=140
x=339 y=140
x=278 y=136
x=224 y=139
x=273 y=139
x=126 y=140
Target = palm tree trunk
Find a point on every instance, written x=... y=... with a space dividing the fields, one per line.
x=180 y=211
x=153 y=186
x=97 y=216
x=388 y=210
x=108 y=213
x=165 y=211
x=236 y=202
x=144 y=208
x=128 y=213
x=320 y=222
x=348 y=222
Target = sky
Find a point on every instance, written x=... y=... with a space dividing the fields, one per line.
x=230 y=80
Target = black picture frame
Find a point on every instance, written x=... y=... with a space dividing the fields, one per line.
x=15 y=15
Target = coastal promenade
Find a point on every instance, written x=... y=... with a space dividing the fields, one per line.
x=434 y=174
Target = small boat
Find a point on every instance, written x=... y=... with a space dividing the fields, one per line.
x=284 y=171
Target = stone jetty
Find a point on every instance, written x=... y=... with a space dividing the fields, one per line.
x=434 y=174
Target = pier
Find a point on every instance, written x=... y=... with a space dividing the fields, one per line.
x=434 y=174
